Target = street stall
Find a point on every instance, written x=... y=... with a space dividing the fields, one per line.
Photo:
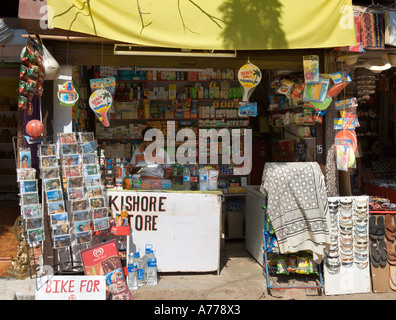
x=97 y=183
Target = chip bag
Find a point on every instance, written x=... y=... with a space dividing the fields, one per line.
x=281 y=265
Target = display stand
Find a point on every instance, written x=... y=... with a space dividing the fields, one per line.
x=346 y=266
x=380 y=276
x=270 y=271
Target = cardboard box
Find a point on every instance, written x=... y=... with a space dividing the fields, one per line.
x=235 y=224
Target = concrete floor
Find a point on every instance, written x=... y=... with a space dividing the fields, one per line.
x=240 y=278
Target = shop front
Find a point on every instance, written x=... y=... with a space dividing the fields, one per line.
x=226 y=162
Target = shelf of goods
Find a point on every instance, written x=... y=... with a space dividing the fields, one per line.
x=193 y=104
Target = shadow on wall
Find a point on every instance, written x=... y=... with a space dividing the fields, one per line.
x=242 y=16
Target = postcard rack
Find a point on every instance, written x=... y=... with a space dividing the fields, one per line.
x=272 y=270
x=51 y=216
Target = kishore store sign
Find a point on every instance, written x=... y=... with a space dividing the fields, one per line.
x=186 y=223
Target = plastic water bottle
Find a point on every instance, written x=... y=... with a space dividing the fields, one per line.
x=140 y=267
x=203 y=179
x=132 y=273
x=186 y=178
x=152 y=269
x=194 y=177
x=144 y=262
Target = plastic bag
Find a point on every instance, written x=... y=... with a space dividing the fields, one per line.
x=51 y=66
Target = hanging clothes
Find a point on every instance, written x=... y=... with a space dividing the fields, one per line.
x=297 y=206
x=373 y=30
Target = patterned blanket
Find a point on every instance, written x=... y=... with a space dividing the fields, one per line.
x=297 y=206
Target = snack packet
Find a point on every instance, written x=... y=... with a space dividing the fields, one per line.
x=281 y=265
x=291 y=263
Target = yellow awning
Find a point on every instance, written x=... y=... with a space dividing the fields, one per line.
x=211 y=24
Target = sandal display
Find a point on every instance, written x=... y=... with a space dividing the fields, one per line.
x=374 y=254
x=390 y=227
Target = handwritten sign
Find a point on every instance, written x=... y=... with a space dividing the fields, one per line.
x=71 y=288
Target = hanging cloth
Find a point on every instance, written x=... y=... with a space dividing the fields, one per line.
x=372 y=25
x=297 y=206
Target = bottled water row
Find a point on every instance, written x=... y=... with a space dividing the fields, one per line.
x=142 y=270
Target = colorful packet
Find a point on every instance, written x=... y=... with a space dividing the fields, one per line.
x=311 y=69
x=281 y=265
x=298 y=90
x=342 y=157
x=345 y=104
x=286 y=87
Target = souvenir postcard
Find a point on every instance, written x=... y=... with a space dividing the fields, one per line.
x=84 y=137
x=25 y=159
x=31 y=211
x=91 y=169
x=101 y=224
x=95 y=191
x=71 y=171
x=26 y=174
x=62 y=241
x=93 y=180
x=80 y=215
x=84 y=237
x=48 y=161
x=48 y=150
x=75 y=182
x=56 y=207
x=34 y=223
x=54 y=195
x=80 y=226
x=71 y=148
x=61 y=229
x=88 y=147
x=71 y=159
x=29 y=198
x=35 y=235
x=79 y=205
x=68 y=137
x=99 y=213
x=89 y=158
x=26 y=186
x=58 y=218
x=96 y=202
x=49 y=173
x=75 y=193
x=52 y=184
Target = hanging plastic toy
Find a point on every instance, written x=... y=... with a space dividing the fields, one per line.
x=67 y=95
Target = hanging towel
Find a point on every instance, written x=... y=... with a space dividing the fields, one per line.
x=390 y=27
x=297 y=206
x=372 y=30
